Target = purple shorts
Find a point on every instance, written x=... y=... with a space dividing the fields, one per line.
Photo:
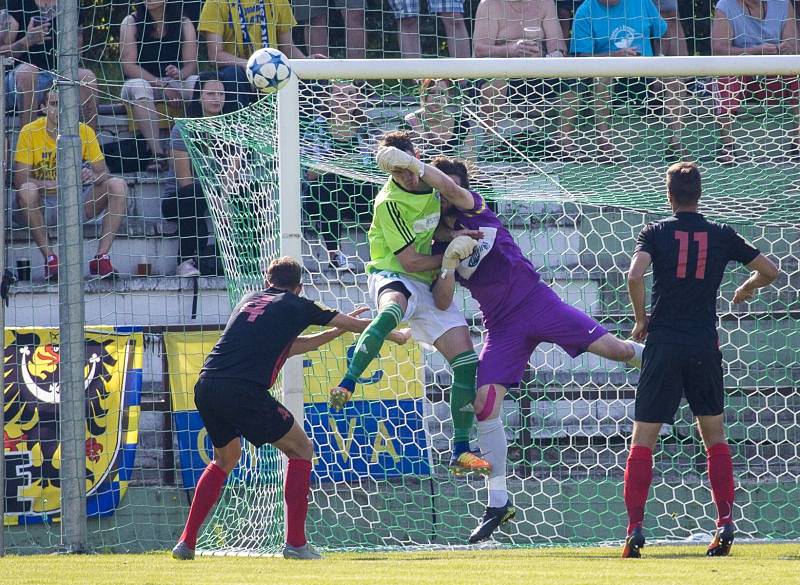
x=510 y=343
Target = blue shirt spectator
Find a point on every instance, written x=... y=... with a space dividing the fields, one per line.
x=617 y=28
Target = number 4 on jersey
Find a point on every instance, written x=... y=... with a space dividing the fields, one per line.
x=701 y=238
x=256 y=308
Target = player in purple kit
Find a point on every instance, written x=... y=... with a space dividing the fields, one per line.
x=519 y=312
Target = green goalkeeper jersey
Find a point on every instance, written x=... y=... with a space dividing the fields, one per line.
x=402 y=218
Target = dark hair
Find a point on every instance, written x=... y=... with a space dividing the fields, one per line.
x=284 y=272
x=194 y=109
x=399 y=139
x=452 y=166
x=173 y=18
x=684 y=183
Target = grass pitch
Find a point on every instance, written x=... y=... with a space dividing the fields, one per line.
x=753 y=564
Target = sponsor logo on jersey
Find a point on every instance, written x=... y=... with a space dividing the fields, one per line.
x=469 y=265
x=426 y=223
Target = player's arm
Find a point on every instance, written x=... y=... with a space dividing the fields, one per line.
x=391 y=159
x=413 y=261
x=636 y=291
x=764 y=273
x=443 y=290
x=342 y=324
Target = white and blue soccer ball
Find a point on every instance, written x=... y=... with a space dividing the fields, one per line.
x=268 y=70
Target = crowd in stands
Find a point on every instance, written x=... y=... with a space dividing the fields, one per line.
x=160 y=48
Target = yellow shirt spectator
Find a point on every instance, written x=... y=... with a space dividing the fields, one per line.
x=35 y=147
x=221 y=17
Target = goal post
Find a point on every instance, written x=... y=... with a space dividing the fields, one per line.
x=380 y=477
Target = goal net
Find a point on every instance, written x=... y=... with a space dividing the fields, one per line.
x=574 y=165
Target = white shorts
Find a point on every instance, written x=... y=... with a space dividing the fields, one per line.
x=426 y=321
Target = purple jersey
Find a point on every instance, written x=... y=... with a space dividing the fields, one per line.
x=497 y=274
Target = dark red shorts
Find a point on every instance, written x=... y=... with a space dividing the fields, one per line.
x=730 y=92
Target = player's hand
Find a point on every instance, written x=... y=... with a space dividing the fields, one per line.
x=743 y=293
x=629 y=52
x=391 y=159
x=400 y=336
x=474 y=234
x=639 y=332
x=358 y=311
x=461 y=247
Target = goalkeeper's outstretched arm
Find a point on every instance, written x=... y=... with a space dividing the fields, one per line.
x=391 y=160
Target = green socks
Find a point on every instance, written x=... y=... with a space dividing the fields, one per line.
x=462 y=395
x=370 y=342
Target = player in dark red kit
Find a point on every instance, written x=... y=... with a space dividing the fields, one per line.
x=681 y=357
x=233 y=400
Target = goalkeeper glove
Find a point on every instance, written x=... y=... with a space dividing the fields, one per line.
x=461 y=247
x=392 y=159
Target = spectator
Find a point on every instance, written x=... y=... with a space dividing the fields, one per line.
x=566 y=10
x=35 y=178
x=518 y=28
x=745 y=27
x=439 y=123
x=159 y=59
x=312 y=16
x=624 y=28
x=28 y=83
x=674 y=42
x=233 y=31
x=451 y=12
x=340 y=130
x=188 y=206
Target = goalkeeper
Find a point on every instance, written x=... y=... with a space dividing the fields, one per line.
x=519 y=312
x=400 y=273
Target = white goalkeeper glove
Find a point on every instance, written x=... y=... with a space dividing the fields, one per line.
x=461 y=247
x=392 y=159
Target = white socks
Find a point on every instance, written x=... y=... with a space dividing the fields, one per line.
x=494 y=448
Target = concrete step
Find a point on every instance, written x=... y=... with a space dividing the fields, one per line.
x=126 y=301
x=126 y=254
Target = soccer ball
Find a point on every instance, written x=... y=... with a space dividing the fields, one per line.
x=268 y=70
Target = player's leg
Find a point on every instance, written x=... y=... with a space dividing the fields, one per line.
x=206 y=494
x=211 y=399
x=705 y=394
x=392 y=301
x=494 y=448
x=262 y=419
x=657 y=398
x=619 y=350
x=576 y=332
x=455 y=345
x=297 y=447
x=720 y=476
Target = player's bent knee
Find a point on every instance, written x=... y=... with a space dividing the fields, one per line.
x=488 y=402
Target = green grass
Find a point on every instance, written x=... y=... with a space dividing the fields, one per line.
x=754 y=564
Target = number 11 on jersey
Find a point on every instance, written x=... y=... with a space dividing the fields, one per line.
x=701 y=238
